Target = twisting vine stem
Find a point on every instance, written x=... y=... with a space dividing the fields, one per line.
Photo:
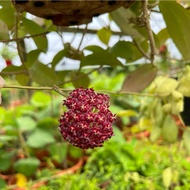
x=146 y=17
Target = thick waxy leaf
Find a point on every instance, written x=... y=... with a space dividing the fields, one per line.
x=163 y=36
x=104 y=35
x=100 y=57
x=126 y=50
x=8 y=13
x=32 y=28
x=13 y=68
x=4 y=32
x=122 y=18
x=23 y=79
x=32 y=58
x=169 y=129
x=80 y=80
x=58 y=57
x=139 y=79
x=42 y=74
x=177 y=20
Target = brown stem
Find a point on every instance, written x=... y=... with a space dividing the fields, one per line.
x=150 y=33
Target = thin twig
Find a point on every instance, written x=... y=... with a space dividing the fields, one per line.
x=64 y=92
x=148 y=27
x=88 y=31
x=83 y=34
x=21 y=38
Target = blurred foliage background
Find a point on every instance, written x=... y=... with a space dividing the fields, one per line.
x=139 y=56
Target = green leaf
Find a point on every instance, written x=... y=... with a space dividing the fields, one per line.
x=40 y=138
x=139 y=79
x=80 y=80
x=122 y=18
x=104 y=35
x=186 y=139
x=163 y=36
x=169 y=129
x=100 y=57
x=13 y=68
x=177 y=20
x=4 y=32
x=58 y=151
x=7 y=13
x=27 y=166
x=58 y=57
x=155 y=133
x=33 y=28
x=32 y=58
x=60 y=77
x=23 y=79
x=42 y=74
x=126 y=50
x=40 y=99
x=167 y=177
x=6 y=159
x=26 y=123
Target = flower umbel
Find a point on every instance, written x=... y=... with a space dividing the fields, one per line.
x=88 y=121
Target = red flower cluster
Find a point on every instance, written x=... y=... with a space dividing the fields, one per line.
x=88 y=121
